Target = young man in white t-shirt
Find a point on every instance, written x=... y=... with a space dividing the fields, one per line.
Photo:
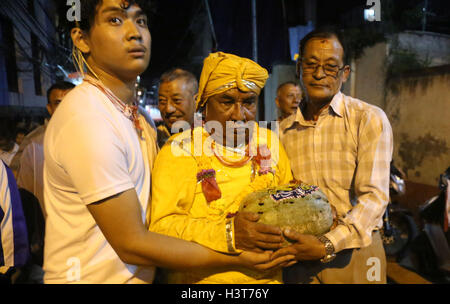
x=98 y=157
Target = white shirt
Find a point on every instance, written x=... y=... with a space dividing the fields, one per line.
x=7 y=156
x=30 y=174
x=91 y=153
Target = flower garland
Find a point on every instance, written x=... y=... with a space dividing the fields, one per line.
x=262 y=176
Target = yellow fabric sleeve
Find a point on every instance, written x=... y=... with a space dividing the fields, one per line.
x=284 y=174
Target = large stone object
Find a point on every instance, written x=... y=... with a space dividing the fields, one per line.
x=302 y=207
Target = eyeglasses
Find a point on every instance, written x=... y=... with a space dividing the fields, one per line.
x=328 y=69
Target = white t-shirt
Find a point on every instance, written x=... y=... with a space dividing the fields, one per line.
x=30 y=174
x=92 y=152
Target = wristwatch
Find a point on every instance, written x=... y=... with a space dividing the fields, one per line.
x=329 y=250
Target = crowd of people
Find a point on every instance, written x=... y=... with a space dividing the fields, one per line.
x=122 y=200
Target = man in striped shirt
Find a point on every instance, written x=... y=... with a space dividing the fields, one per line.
x=344 y=146
x=14 y=250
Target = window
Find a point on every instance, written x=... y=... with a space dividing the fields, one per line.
x=36 y=65
x=8 y=50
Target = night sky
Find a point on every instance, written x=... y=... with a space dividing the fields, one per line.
x=181 y=32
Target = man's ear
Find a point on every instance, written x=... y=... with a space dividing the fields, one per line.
x=79 y=40
x=346 y=73
x=277 y=102
x=203 y=111
x=49 y=109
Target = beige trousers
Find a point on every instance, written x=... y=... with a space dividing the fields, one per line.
x=351 y=266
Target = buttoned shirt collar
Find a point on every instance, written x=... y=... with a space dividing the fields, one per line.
x=336 y=106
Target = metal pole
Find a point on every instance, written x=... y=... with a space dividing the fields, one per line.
x=287 y=52
x=424 y=16
x=211 y=26
x=255 y=33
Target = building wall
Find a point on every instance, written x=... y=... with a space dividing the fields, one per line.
x=417 y=103
x=370 y=75
x=280 y=74
x=26 y=96
x=429 y=46
x=417 y=106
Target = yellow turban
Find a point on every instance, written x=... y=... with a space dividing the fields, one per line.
x=222 y=71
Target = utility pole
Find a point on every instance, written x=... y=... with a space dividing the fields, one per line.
x=287 y=52
x=211 y=26
x=424 y=16
x=255 y=33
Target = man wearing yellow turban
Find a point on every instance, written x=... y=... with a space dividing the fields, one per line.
x=201 y=175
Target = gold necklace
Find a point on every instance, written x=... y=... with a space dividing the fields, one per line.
x=231 y=163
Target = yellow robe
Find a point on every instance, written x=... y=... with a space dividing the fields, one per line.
x=179 y=208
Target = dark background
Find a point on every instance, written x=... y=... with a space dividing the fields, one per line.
x=182 y=35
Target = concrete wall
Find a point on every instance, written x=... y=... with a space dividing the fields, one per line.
x=280 y=74
x=432 y=46
x=418 y=107
x=369 y=71
x=417 y=103
x=367 y=80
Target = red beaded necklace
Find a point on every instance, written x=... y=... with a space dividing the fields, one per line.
x=130 y=111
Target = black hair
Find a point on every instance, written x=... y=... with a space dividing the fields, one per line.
x=177 y=73
x=324 y=32
x=89 y=10
x=7 y=131
x=60 y=85
x=20 y=130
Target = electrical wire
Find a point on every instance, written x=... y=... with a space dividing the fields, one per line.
x=17 y=20
x=34 y=21
x=211 y=24
x=28 y=22
x=46 y=13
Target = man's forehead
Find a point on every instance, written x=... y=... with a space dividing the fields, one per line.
x=323 y=44
x=59 y=92
x=236 y=92
x=177 y=84
x=291 y=87
x=106 y=6
x=56 y=91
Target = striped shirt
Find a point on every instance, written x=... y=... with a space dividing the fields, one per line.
x=14 y=249
x=347 y=153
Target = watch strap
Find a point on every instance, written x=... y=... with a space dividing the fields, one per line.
x=329 y=249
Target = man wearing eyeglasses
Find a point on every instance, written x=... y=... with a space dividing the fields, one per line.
x=344 y=146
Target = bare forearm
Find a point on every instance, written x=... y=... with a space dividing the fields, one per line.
x=192 y=229
x=164 y=251
x=119 y=218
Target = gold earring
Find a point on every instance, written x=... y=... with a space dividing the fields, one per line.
x=77 y=61
x=80 y=62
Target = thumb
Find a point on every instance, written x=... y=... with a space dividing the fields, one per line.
x=251 y=216
x=292 y=234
